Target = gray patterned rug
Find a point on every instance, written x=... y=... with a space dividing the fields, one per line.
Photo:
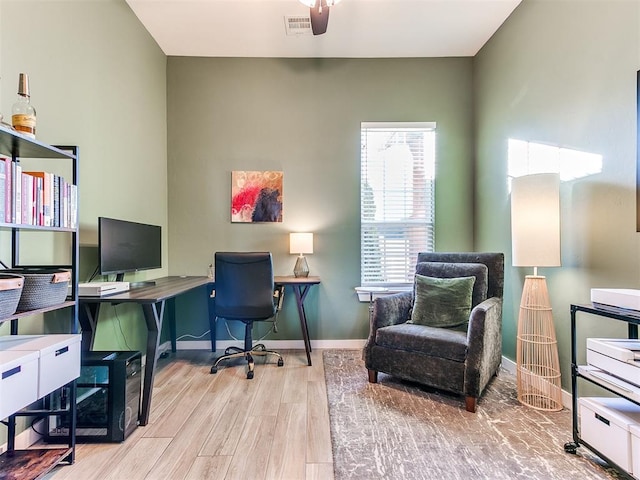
x=399 y=430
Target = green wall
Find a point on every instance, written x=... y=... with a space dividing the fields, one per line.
x=302 y=116
x=98 y=80
x=564 y=73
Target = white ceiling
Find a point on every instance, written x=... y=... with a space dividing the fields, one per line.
x=357 y=28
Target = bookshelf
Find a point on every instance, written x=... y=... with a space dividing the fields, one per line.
x=33 y=463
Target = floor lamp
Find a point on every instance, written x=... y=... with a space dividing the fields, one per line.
x=535 y=237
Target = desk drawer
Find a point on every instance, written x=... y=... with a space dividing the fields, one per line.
x=18 y=381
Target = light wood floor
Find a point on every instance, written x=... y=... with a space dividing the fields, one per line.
x=222 y=426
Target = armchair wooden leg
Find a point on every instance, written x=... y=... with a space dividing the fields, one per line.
x=373 y=376
x=470 y=403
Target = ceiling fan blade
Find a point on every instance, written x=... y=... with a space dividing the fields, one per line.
x=319 y=19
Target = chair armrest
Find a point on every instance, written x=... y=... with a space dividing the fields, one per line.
x=391 y=310
x=484 y=345
x=388 y=310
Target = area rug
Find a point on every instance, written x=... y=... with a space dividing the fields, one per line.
x=400 y=430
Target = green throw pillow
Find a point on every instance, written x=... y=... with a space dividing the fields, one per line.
x=442 y=302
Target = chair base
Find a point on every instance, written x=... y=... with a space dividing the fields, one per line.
x=235 y=352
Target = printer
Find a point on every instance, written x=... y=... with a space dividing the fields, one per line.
x=619 y=357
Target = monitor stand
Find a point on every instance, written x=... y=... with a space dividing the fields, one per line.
x=132 y=285
x=145 y=283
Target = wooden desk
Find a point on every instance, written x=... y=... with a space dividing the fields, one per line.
x=152 y=299
x=300 y=286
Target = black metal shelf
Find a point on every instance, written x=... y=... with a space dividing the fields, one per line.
x=16 y=145
x=34 y=463
x=632 y=318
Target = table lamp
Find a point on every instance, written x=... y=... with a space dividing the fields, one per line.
x=535 y=237
x=301 y=243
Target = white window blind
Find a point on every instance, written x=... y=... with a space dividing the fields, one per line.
x=396 y=200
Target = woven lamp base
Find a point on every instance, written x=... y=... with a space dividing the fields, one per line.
x=537 y=362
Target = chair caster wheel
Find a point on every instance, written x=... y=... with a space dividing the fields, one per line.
x=214 y=370
x=249 y=374
x=280 y=362
x=571 y=447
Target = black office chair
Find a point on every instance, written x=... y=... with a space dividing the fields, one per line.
x=244 y=291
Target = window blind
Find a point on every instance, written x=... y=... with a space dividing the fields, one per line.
x=396 y=200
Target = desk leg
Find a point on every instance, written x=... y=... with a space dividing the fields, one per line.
x=171 y=316
x=211 y=310
x=301 y=293
x=153 y=316
x=88 y=319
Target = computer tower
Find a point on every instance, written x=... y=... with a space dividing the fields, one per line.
x=108 y=397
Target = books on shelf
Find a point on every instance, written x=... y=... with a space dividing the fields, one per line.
x=36 y=197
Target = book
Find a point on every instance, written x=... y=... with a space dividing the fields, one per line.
x=26 y=196
x=56 y=201
x=17 y=193
x=3 y=186
x=74 y=206
x=45 y=197
x=8 y=200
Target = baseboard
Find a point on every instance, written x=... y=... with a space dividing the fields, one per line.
x=510 y=366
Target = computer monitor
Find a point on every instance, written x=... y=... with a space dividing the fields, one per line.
x=125 y=246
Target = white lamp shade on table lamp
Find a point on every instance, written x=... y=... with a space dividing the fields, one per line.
x=299 y=244
x=535 y=237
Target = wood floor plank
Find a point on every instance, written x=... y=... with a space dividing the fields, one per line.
x=171 y=383
x=319 y=471
x=315 y=373
x=318 y=426
x=138 y=460
x=174 y=417
x=268 y=397
x=94 y=460
x=209 y=468
x=228 y=428
x=177 y=460
x=254 y=448
x=188 y=441
x=295 y=385
x=287 y=458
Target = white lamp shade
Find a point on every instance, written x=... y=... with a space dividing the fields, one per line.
x=300 y=243
x=535 y=220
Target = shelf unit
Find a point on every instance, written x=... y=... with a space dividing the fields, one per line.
x=632 y=318
x=36 y=462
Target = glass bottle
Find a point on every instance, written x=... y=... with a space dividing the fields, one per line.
x=23 y=115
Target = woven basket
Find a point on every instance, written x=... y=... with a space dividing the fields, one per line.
x=42 y=287
x=10 y=291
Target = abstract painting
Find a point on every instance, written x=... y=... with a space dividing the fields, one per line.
x=256 y=196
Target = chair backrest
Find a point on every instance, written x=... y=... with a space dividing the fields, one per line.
x=244 y=285
x=493 y=261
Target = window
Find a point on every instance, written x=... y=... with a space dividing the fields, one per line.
x=396 y=200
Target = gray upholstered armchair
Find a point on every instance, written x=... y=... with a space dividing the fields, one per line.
x=459 y=358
